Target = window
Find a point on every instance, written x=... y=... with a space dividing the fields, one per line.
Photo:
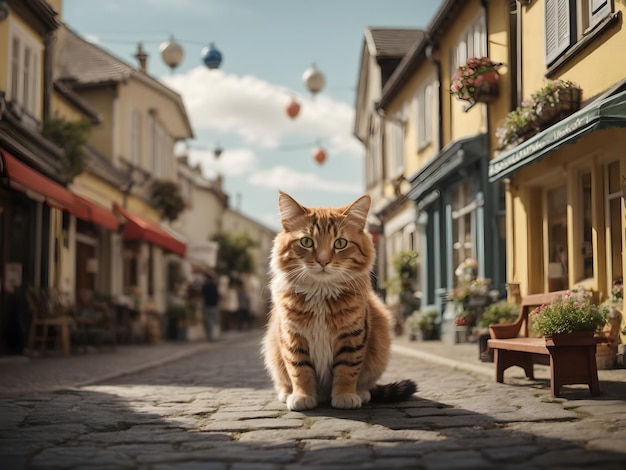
x=425 y=115
x=464 y=205
x=394 y=145
x=613 y=221
x=586 y=225
x=556 y=205
x=161 y=146
x=472 y=43
x=568 y=21
x=24 y=80
x=135 y=137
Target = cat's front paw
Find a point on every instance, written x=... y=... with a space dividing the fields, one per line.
x=366 y=396
x=282 y=396
x=346 y=401
x=301 y=402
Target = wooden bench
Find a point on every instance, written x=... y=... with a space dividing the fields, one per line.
x=570 y=364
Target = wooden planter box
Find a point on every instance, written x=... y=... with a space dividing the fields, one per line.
x=568 y=103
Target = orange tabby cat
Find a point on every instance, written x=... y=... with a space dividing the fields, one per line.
x=328 y=336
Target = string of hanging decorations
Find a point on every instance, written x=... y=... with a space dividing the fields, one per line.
x=314 y=80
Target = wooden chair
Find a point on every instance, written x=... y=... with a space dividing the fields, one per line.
x=47 y=311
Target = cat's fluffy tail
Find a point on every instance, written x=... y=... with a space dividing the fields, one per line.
x=393 y=392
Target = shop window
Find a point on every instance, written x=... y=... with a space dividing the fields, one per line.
x=586 y=225
x=151 y=270
x=614 y=222
x=557 y=239
x=464 y=207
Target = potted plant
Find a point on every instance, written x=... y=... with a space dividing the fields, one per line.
x=177 y=321
x=572 y=315
x=422 y=325
x=497 y=313
x=555 y=101
x=402 y=284
x=477 y=80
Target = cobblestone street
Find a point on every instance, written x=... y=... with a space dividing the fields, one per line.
x=216 y=410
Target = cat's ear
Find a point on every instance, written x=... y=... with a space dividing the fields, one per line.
x=358 y=210
x=289 y=210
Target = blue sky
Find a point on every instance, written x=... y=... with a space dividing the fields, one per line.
x=267 y=45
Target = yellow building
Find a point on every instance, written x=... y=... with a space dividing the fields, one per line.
x=565 y=184
x=443 y=147
x=130 y=152
x=37 y=211
x=393 y=223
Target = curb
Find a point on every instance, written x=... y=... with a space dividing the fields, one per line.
x=442 y=360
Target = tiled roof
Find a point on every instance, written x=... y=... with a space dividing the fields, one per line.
x=85 y=63
x=393 y=42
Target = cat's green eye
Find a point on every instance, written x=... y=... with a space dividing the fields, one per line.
x=306 y=242
x=340 y=243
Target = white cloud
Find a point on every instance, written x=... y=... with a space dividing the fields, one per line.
x=254 y=110
x=237 y=162
x=287 y=179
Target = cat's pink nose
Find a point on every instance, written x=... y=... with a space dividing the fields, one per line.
x=323 y=261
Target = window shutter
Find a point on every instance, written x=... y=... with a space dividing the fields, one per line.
x=558 y=28
x=598 y=10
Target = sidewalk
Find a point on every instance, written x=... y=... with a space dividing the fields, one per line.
x=464 y=356
x=23 y=375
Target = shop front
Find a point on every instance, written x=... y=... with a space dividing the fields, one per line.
x=564 y=202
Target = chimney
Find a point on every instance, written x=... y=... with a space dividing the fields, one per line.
x=142 y=57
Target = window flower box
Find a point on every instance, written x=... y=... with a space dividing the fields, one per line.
x=557 y=100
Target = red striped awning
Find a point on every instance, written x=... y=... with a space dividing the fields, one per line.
x=28 y=180
x=99 y=215
x=138 y=228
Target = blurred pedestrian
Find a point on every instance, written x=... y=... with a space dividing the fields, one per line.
x=211 y=312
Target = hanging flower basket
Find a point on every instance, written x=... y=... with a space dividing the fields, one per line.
x=476 y=81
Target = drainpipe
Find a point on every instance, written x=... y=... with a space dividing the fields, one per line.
x=429 y=55
x=518 y=51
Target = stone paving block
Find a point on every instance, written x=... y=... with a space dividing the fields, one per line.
x=282 y=435
x=456 y=459
x=249 y=424
x=80 y=457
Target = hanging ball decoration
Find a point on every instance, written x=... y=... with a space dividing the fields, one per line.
x=313 y=79
x=172 y=53
x=292 y=109
x=319 y=155
x=211 y=57
x=217 y=151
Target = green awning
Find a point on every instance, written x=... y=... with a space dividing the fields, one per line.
x=448 y=161
x=609 y=112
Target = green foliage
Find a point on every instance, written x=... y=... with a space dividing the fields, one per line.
x=499 y=312
x=177 y=312
x=234 y=254
x=405 y=267
x=167 y=198
x=71 y=137
x=571 y=313
x=551 y=93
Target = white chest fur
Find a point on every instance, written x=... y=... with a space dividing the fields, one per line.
x=320 y=351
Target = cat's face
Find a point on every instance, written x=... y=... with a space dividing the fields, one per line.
x=323 y=244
